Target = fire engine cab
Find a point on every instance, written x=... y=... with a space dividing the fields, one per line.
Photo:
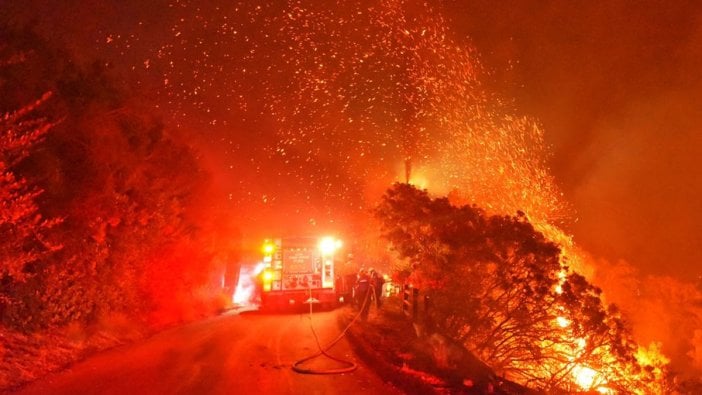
x=298 y=271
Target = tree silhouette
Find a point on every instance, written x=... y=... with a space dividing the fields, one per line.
x=500 y=287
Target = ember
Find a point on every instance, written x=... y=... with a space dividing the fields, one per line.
x=298 y=115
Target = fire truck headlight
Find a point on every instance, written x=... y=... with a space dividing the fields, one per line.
x=268 y=248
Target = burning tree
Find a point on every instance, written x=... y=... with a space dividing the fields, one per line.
x=503 y=290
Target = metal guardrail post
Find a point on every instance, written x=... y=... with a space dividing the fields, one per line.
x=415 y=304
x=406 y=302
x=411 y=301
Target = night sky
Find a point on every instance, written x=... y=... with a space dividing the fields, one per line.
x=305 y=112
x=617 y=86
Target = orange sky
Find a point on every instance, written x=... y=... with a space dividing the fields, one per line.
x=616 y=86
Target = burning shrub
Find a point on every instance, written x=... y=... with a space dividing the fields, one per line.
x=501 y=288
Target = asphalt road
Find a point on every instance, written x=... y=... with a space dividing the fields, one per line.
x=246 y=353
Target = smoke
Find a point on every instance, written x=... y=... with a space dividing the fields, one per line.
x=638 y=190
x=639 y=203
x=660 y=309
x=615 y=87
x=641 y=198
x=245 y=293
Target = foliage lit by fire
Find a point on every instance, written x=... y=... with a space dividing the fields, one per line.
x=100 y=205
x=500 y=287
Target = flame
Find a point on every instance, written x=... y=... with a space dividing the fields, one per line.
x=595 y=369
x=418 y=178
x=419 y=181
x=562 y=322
x=653 y=357
x=584 y=376
x=588 y=379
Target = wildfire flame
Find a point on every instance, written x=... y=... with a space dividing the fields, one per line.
x=562 y=322
x=584 y=376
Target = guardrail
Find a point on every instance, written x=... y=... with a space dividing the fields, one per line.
x=410 y=299
x=415 y=305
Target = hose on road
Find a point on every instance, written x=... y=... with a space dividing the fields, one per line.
x=349 y=366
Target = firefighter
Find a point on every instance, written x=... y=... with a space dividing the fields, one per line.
x=363 y=287
x=377 y=281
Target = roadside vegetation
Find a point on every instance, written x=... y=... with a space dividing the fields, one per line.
x=103 y=229
x=498 y=288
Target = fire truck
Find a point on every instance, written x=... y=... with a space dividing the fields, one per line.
x=299 y=271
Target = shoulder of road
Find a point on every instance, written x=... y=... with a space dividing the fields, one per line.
x=388 y=342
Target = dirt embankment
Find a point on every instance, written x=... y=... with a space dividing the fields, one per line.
x=417 y=362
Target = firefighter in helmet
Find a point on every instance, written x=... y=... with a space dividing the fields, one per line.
x=376 y=282
x=363 y=288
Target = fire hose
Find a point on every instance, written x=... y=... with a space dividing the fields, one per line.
x=349 y=366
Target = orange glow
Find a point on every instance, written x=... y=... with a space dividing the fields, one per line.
x=245 y=288
x=328 y=245
x=419 y=181
x=267 y=276
x=268 y=248
x=267 y=279
x=584 y=376
x=562 y=322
